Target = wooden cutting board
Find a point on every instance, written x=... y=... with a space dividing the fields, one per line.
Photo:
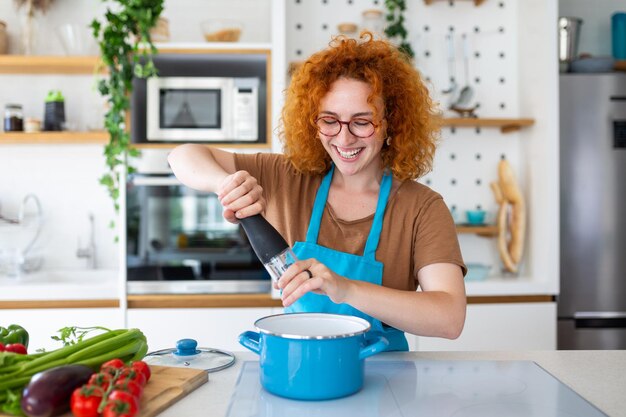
x=167 y=385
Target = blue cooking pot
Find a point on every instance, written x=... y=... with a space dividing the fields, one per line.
x=312 y=356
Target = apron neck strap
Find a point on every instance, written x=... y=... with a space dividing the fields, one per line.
x=318 y=207
x=377 y=224
x=320 y=203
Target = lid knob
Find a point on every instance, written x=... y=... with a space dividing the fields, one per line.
x=186 y=347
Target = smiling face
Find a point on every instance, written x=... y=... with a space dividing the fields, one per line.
x=347 y=100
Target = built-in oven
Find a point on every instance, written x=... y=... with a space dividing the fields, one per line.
x=179 y=243
x=212 y=98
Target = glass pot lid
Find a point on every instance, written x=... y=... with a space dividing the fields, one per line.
x=187 y=354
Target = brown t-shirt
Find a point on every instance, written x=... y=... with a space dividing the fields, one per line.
x=418 y=229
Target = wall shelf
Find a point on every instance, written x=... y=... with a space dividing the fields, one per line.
x=28 y=64
x=39 y=64
x=505 y=125
x=485 y=231
x=54 y=138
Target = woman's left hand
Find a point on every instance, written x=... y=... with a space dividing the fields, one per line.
x=310 y=275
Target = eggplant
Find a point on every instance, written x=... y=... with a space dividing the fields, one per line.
x=48 y=393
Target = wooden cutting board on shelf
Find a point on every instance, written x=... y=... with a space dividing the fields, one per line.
x=167 y=385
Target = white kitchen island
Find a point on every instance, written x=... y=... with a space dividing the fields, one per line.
x=597 y=376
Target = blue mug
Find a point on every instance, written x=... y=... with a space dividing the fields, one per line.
x=476 y=217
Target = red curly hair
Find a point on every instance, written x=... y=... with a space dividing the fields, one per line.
x=413 y=121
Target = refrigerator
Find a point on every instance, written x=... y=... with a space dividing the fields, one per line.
x=592 y=298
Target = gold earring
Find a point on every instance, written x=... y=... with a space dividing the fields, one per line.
x=388 y=141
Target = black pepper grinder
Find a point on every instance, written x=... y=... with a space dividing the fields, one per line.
x=272 y=250
x=54 y=114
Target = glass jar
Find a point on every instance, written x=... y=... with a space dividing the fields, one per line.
x=13 y=118
x=373 y=21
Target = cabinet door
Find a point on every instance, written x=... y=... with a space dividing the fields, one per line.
x=42 y=324
x=513 y=326
x=211 y=327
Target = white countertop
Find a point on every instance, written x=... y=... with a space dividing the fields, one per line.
x=597 y=376
x=98 y=284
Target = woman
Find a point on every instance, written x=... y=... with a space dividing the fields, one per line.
x=358 y=127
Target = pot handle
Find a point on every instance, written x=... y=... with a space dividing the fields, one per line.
x=379 y=346
x=250 y=340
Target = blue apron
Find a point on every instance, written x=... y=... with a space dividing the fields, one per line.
x=362 y=268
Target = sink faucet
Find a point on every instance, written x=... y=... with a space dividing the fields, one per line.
x=89 y=252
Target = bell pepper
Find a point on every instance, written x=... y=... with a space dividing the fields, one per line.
x=13 y=333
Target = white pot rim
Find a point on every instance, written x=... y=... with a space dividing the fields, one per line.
x=312 y=326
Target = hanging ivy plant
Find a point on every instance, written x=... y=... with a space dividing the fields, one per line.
x=125 y=51
x=395 y=25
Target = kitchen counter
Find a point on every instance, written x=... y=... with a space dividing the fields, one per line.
x=598 y=376
x=50 y=286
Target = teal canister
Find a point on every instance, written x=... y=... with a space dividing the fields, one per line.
x=618 y=35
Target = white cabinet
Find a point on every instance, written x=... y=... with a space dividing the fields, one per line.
x=42 y=324
x=212 y=327
x=510 y=326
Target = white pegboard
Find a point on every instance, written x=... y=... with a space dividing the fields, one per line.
x=467 y=158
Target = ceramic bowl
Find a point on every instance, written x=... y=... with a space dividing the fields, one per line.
x=221 y=30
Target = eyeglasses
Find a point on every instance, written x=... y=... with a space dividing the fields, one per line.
x=331 y=126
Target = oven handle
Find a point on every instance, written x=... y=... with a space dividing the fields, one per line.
x=155 y=181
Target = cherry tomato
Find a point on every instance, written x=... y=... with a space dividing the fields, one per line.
x=121 y=404
x=101 y=379
x=1 y=347
x=129 y=386
x=132 y=375
x=85 y=401
x=142 y=367
x=112 y=366
x=16 y=348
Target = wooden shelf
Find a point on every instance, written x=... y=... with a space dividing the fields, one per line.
x=54 y=138
x=27 y=64
x=505 y=125
x=486 y=231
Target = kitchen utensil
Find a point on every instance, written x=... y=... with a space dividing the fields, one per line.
x=312 y=356
x=477 y=271
x=76 y=39
x=186 y=354
x=569 y=30
x=451 y=90
x=269 y=245
x=221 y=30
x=467 y=93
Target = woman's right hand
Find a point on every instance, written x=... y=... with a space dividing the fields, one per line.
x=241 y=195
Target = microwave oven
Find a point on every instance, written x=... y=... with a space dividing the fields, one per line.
x=219 y=98
x=202 y=108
